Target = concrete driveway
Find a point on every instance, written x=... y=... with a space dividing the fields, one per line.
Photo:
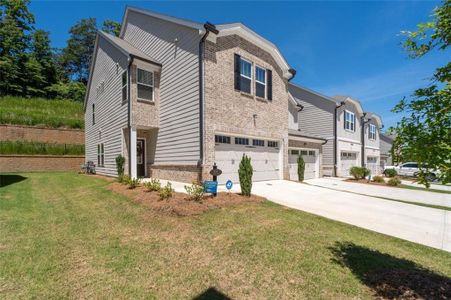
x=417 y=196
x=423 y=225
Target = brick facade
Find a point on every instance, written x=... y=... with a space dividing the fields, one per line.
x=180 y=173
x=227 y=110
x=33 y=163
x=42 y=135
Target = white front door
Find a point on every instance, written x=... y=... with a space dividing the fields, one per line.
x=264 y=160
x=311 y=159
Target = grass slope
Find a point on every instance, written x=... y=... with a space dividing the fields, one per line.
x=41 y=112
x=64 y=235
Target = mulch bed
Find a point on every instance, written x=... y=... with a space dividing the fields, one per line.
x=179 y=204
x=365 y=181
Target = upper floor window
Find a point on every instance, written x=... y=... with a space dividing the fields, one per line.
x=245 y=76
x=372 y=132
x=349 y=120
x=93 y=114
x=260 y=82
x=124 y=85
x=145 y=85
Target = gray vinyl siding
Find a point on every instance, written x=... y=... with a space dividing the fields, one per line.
x=110 y=114
x=347 y=134
x=178 y=140
x=385 y=144
x=316 y=118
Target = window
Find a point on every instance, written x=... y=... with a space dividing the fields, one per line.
x=260 y=82
x=294 y=152
x=100 y=155
x=241 y=141
x=311 y=153
x=349 y=120
x=259 y=143
x=372 y=132
x=93 y=114
x=371 y=159
x=221 y=139
x=273 y=144
x=245 y=76
x=145 y=85
x=124 y=86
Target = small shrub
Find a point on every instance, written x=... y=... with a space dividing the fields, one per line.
x=133 y=182
x=120 y=161
x=378 y=179
x=301 y=168
x=166 y=192
x=154 y=185
x=390 y=173
x=395 y=181
x=195 y=191
x=245 y=173
x=124 y=179
x=359 y=172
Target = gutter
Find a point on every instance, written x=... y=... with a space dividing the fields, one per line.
x=130 y=61
x=208 y=28
x=336 y=137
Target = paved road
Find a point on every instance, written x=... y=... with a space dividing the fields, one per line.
x=425 y=197
x=423 y=225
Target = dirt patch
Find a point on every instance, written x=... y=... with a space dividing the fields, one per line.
x=179 y=204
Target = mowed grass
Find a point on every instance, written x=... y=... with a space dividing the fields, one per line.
x=64 y=235
x=41 y=112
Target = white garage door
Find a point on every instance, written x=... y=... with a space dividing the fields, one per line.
x=311 y=163
x=264 y=160
x=373 y=165
x=348 y=160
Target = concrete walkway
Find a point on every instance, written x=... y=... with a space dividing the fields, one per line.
x=423 y=225
x=425 y=197
x=434 y=186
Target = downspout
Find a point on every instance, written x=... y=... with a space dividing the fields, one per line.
x=130 y=61
x=335 y=136
x=208 y=28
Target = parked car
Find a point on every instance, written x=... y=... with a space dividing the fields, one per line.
x=411 y=169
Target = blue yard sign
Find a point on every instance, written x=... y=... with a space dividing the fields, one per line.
x=211 y=187
x=229 y=184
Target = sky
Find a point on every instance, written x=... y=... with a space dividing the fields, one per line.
x=338 y=48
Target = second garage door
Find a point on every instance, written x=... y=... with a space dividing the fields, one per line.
x=311 y=163
x=264 y=159
x=348 y=160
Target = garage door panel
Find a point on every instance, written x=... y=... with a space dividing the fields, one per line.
x=310 y=160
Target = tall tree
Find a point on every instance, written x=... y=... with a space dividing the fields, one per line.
x=80 y=46
x=424 y=134
x=15 y=24
x=112 y=27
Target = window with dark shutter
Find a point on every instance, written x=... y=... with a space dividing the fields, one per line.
x=269 y=84
x=237 y=72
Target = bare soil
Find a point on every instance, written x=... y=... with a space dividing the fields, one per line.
x=179 y=204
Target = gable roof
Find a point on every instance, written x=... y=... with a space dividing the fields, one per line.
x=224 y=30
x=376 y=117
x=299 y=87
x=354 y=101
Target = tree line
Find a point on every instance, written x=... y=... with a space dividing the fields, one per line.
x=30 y=67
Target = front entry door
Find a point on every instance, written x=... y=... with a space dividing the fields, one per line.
x=140 y=161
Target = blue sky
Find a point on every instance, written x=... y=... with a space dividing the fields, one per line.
x=347 y=48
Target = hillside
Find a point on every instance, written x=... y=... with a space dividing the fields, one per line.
x=41 y=112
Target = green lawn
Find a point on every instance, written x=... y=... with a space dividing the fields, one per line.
x=64 y=235
x=41 y=112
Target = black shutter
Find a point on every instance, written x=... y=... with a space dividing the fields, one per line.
x=269 y=84
x=344 y=119
x=237 y=72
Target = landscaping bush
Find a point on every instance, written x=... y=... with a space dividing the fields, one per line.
x=378 y=179
x=34 y=148
x=133 y=182
x=120 y=161
x=301 y=168
x=124 y=179
x=154 y=185
x=245 y=173
x=195 y=191
x=166 y=192
x=390 y=173
x=395 y=181
x=359 y=172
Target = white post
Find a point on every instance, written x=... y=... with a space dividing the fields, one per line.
x=133 y=173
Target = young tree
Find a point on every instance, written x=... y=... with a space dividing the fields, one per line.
x=80 y=46
x=424 y=135
x=112 y=27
